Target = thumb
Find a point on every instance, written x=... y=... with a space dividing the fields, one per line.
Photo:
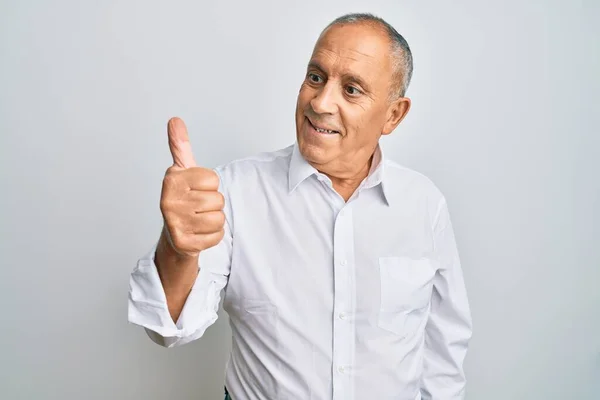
x=179 y=143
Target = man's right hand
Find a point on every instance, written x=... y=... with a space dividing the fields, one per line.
x=191 y=205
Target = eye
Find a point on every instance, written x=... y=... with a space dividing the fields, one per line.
x=314 y=78
x=351 y=90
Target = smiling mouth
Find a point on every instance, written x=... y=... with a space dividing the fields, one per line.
x=321 y=130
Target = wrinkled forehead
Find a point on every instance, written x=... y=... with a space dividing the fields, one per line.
x=354 y=48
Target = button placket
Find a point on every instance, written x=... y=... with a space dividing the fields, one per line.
x=344 y=300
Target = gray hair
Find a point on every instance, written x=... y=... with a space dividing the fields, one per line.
x=402 y=61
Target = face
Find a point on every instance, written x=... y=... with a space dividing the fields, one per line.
x=344 y=104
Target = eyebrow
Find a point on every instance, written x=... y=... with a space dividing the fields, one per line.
x=355 y=78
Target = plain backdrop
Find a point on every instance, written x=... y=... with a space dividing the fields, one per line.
x=504 y=120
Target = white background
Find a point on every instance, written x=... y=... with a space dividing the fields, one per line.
x=504 y=121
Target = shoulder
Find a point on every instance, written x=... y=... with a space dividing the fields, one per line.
x=408 y=178
x=404 y=182
x=264 y=165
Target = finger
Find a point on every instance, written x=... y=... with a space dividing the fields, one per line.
x=179 y=144
x=195 y=178
x=201 y=178
x=207 y=222
x=204 y=201
x=191 y=244
x=208 y=240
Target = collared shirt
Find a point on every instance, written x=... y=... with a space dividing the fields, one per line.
x=327 y=299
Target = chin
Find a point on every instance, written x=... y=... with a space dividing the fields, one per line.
x=313 y=152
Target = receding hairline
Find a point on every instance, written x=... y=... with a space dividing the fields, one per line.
x=370 y=23
x=400 y=53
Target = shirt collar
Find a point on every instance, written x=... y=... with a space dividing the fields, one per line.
x=300 y=170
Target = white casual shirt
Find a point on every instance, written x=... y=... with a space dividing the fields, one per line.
x=327 y=299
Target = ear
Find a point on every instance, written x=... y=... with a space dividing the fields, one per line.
x=395 y=114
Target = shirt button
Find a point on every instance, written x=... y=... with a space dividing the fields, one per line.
x=344 y=263
x=342 y=315
x=342 y=213
x=341 y=369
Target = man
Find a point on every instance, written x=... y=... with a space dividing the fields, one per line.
x=339 y=268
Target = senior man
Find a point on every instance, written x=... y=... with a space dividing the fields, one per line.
x=338 y=267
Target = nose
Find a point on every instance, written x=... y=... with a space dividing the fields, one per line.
x=325 y=101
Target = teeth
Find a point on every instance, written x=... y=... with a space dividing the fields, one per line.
x=324 y=130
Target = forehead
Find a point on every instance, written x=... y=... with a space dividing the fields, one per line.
x=357 y=48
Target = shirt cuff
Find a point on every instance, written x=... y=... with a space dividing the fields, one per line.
x=147 y=305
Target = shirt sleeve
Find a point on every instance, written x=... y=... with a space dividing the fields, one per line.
x=147 y=304
x=448 y=330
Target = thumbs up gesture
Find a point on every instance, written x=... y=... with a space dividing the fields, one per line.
x=191 y=205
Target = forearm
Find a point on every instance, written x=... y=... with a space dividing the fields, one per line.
x=177 y=274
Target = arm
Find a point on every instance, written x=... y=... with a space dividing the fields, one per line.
x=169 y=294
x=177 y=274
x=448 y=330
x=184 y=315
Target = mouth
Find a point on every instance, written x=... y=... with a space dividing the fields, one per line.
x=322 y=130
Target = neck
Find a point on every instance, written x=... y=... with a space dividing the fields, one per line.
x=346 y=186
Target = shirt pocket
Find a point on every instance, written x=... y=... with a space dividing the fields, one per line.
x=257 y=337
x=406 y=285
x=258 y=307
x=259 y=319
